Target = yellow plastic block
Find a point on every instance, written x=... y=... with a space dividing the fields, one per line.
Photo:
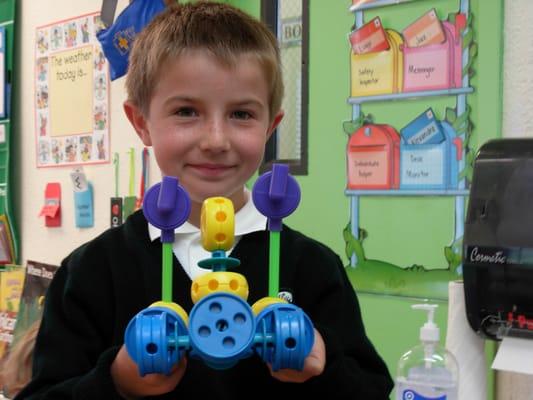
x=217 y=224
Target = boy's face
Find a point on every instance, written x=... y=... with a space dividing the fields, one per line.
x=208 y=124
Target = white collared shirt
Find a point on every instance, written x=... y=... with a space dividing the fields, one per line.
x=187 y=246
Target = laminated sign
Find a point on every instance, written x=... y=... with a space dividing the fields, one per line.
x=431 y=165
x=436 y=66
x=373 y=158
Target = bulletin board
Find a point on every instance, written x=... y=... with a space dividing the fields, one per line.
x=8 y=228
x=71 y=93
x=399 y=105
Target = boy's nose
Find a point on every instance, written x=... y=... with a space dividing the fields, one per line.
x=215 y=138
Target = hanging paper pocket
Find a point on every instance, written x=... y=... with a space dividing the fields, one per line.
x=431 y=166
x=373 y=158
x=378 y=72
x=436 y=66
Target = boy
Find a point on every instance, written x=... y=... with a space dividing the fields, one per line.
x=204 y=90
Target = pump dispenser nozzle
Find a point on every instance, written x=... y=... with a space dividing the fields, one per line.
x=430 y=331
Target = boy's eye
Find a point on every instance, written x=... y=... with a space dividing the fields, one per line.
x=241 y=115
x=186 y=112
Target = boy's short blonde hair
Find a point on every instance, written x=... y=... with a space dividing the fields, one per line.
x=222 y=30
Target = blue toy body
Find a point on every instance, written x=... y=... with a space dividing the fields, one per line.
x=221 y=330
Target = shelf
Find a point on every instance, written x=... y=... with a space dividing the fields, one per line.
x=409 y=95
x=369 y=4
x=398 y=192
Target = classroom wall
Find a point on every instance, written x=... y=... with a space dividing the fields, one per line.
x=324 y=210
x=391 y=324
x=517 y=80
x=517 y=121
x=38 y=242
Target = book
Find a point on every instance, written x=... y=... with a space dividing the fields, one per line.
x=7 y=251
x=38 y=276
x=11 y=283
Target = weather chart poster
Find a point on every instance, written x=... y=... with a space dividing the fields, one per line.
x=71 y=94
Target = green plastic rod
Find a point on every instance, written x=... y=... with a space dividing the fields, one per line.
x=167 y=272
x=273 y=267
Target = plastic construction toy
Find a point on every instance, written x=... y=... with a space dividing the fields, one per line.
x=221 y=328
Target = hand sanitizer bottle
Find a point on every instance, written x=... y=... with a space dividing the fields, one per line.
x=427 y=371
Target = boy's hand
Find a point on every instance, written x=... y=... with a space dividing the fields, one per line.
x=313 y=364
x=131 y=385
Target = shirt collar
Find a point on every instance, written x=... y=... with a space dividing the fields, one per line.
x=248 y=219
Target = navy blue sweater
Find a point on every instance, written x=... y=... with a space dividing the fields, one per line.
x=104 y=283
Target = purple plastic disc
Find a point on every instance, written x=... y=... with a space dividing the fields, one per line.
x=166 y=206
x=276 y=194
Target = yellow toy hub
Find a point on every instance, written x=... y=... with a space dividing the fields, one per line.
x=212 y=282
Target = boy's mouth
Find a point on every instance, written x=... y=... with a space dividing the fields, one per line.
x=211 y=169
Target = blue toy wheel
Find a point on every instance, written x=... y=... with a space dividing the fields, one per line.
x=285 y=336
x=156 y=339
x=221 y=330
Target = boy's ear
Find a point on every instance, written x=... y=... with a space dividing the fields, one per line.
x=275 y=122
x=138 y=121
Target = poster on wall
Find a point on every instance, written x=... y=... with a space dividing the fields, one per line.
x=71 y=94
x=408 y=173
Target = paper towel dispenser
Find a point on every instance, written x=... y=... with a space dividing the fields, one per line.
x=498 y=240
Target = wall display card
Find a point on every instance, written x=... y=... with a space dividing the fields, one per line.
x=424 y=129
x=3 y=97
x=79 y=180
x=369 y=38
x=83 y=199
x=424 y=31
x=71 y=94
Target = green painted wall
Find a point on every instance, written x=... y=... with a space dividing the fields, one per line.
x=8 y=169
x=402 y=231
